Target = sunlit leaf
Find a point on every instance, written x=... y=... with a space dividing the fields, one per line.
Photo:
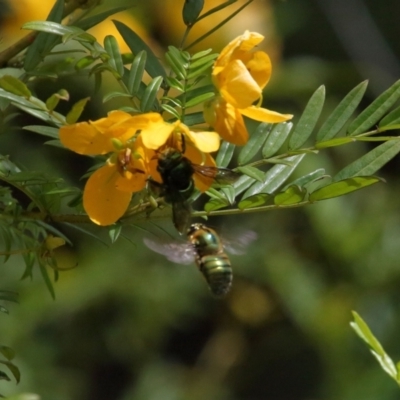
x=308 y=178
x=242 y=184
x=252 y=172
x=276 y=138
x=345 y=186
x=112 y=49
x=292 y=195
x=76 y=111
x=335 y=142
x=274 y=177
x=375 y=111
x=371 y=162
x=308 y=119
x=136 y=72
x=199 y=99
x=257 y=200
x=363 y=331
x=342 y=113
x=114 y=232
x=15 y=86
x=393 y=118
x=150 y=94
x=215 y=204
x=255 y=143
x=225 y=154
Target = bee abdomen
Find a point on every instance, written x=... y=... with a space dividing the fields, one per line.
x=218 y=272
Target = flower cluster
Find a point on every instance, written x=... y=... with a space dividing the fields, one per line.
x=134 y=142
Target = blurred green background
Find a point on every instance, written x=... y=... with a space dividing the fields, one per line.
x=127 y=324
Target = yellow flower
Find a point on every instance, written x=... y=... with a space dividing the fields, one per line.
x=108 y=191
x=162 y=136
x=240 y=76
x=157 y=132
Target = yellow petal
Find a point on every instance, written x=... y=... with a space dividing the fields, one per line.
x=264 y=115
x=236 y=49
x=237 y=86
x=199 y=159
x=259 y=67
x=227 y=121
x=156 y=132
x=102 y=201
x=85 y=138
x=205 y=141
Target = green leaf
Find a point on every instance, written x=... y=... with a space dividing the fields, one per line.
x=76 y=111
x=201 y=54
x=363 y=331
x=43 y=130
x=393 y=118
x=112 y=95
x=112 y=49
x=57 y=29
x=191 y=10
x=150 y=94
x=292 y=195
x=306 y=179
x=276 y=138
x=225 y=154
x=340 y=188
x=136 y=44
x=44 y=41
x=242 y=184
x=215 y=204
x=193 y=118
x=199 y=99
x=252 y=172
x=229 y=193
x=136 y=72
x=90 y=22
x=375 y=111
x=335 y=142
x=199 y=70
x=13 y=369
x=175 y=83
x=171 y=110
x=9 y=295
x=342 y=113
x=46 y=278
x=255 y=143
x=275 y=177
x=15 y=86
x=7 y=352
x=257 y=200
x=200 y=62
x=178 y=68
x=114 y=232
x=308 y=119
x=371 y=162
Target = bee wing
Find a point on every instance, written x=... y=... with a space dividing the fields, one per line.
x=222 y=176
x=239 y=245
x=180 y=253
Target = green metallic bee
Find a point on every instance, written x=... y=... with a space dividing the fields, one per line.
x=178 y=185
x=207 y=250
x=211 y=259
